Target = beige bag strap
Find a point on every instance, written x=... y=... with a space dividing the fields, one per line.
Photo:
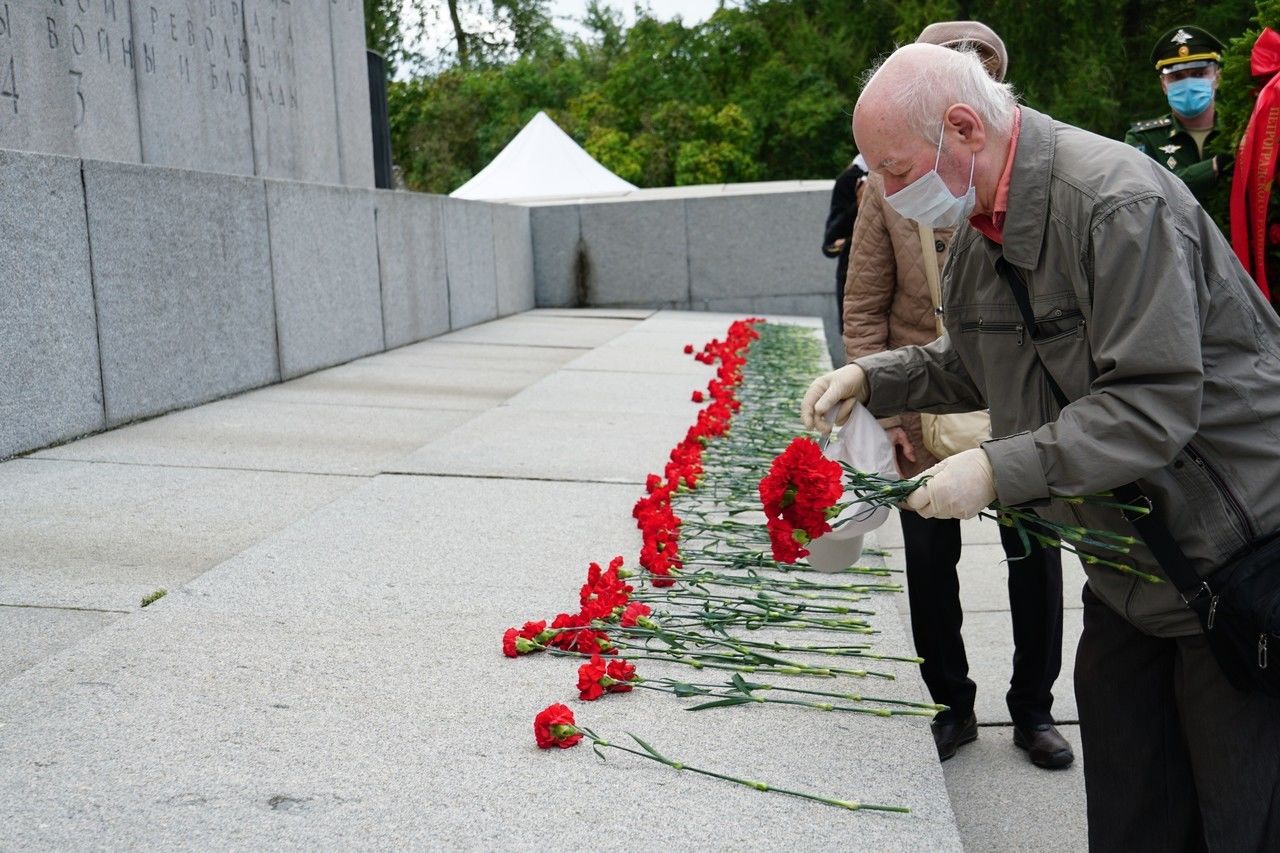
x=930 y=252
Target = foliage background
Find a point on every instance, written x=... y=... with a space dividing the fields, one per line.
x=762 y=90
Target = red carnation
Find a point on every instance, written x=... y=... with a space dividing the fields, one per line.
x=555 y=726
x=799 y=494
x=509 y=643
x=697 y=397
x=688 y=349
x=634 y=613
x=590 y=675
x=595 y=678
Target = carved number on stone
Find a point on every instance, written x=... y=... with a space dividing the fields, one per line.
x=78 y=75
x=9 y=85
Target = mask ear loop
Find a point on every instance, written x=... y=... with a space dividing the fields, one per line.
x=937 y=156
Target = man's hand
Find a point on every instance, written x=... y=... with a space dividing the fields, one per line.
x=959 y=486
x=837 y=389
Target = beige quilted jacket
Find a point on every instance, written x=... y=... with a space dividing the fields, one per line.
x=886 y=295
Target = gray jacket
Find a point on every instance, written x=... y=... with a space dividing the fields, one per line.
x=1163 y=345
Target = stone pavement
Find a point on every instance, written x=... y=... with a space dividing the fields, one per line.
x=341 y=554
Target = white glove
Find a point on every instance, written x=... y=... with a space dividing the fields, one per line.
x=960 y=486
x=838 y=389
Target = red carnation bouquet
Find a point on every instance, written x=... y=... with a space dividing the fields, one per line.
x=799 y=494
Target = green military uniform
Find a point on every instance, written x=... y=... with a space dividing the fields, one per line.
x=1165 y=139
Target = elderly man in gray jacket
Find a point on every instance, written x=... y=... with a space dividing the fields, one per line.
x=1151 y=358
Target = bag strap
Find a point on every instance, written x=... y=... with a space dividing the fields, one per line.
x=1154 y=533
x=929 y=251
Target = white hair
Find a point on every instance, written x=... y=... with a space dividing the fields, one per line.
x=951 y=76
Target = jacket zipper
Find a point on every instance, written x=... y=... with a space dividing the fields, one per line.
x=1233 y=502
x=998 y=328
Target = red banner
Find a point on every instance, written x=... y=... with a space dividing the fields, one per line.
x=1256 y=164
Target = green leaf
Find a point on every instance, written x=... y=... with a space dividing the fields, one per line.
x=650 y=750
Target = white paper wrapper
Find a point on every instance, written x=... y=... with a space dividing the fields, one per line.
x=861 y=443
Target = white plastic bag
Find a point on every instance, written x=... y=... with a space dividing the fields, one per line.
x=862 y=444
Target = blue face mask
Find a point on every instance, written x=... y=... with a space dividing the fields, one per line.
x=1190 y=96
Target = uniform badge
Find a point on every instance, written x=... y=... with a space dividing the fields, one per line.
x=1181 y=37
x=1172 y=162
x=1171 y=149
x=1183 y=50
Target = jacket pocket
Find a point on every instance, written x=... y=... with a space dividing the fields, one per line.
x=1063 y=348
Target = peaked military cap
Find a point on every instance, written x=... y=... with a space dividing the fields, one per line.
x=1185 y=47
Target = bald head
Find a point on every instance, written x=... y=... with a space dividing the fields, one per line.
x=928 y=104
x=918 y=83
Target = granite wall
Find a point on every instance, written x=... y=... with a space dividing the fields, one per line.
x=131 y=290
x=275 y=88
x=747 y=251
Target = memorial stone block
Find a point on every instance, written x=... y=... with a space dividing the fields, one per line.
x=637 y=253
x=757 y=245
x=512 y=258
x=556 y=234
x=473 y=288
x=415 y=286
x=182 y=273
x=324 y=261
x=291 y=89
x=50 y=388
x=351 y=91
x=67 y=78
x=193 y=84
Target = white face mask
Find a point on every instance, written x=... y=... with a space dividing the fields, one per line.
x=928 y=201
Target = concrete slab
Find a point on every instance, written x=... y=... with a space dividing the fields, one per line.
x=473 y=283
x=28 y=635
x=185 y=307
x=193 y=85
x=636 y=254
x=513 y=259
x=308 y=731
x=48 y=328
x=988 y=642
x=523 y=330
x=607 y=313
x=404 y=386
x=629 y=353
x=407 y=546
x=324 y=261
x=1002 y=802
x=351 y=92
x=411 y=261
x=556 y=232
x=609 y=447
x=758 y=245
x=79 y=534
x=439 y=353
x=269 y=436
x=597 y=391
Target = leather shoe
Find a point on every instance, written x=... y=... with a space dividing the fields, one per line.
x=1045 y=747
x=949 y=734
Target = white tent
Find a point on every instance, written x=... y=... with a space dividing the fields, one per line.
x=542 y=162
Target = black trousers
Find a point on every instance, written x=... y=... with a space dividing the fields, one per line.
x=1035 y=602
x=1175 y=758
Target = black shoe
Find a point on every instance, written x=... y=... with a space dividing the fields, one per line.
x=1045 y=747
x=949 y=734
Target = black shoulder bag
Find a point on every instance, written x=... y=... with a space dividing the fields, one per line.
x=1238 y=604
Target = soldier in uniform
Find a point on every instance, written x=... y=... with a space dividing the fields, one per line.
x=1188 y=60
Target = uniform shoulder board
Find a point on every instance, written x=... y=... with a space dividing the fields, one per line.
x=1150 y=124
